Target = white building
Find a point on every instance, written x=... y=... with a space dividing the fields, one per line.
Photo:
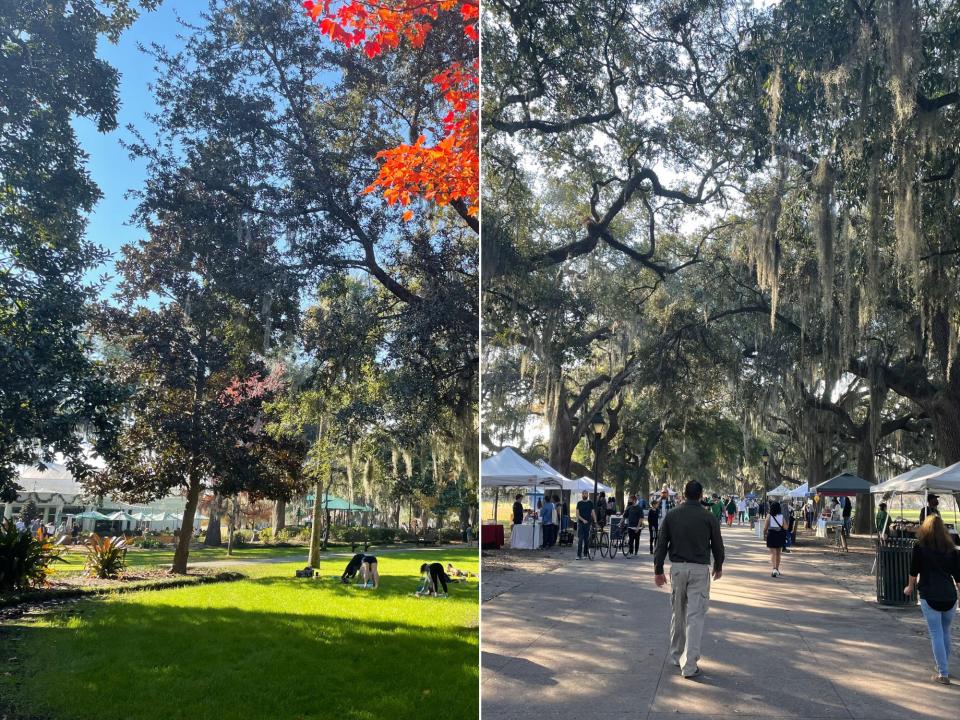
x=59 y=496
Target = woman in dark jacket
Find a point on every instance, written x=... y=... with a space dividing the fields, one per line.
x=653 y=520
x=936 y=563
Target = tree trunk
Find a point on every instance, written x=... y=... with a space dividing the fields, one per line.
x=182 y=552
x=944 y=414
x=279 y=516
x=350 y=495
x=865 y=469
x=214 y=537
x=314 y=560
x=562 y=436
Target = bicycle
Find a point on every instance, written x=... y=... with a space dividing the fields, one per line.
x=598 y=541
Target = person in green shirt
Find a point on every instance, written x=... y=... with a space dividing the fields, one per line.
x=882 y=521
x=716 y=507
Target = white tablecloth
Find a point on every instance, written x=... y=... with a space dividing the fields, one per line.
x=822 y=526
x=527 y=536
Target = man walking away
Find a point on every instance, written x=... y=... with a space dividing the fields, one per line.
x=845 y=514
x=633 y=519
x=585 y=518
x=688 y=534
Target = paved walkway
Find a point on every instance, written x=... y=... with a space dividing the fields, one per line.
x=589 y=640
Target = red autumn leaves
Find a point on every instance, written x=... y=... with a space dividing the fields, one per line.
x=447 y=171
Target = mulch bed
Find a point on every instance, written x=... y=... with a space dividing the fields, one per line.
x=72 y=588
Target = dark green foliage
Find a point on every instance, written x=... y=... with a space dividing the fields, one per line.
x=51 y=75
x=29 y=511
x=24 y=560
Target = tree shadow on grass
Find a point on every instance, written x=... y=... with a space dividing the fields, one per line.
x=136 y=662
x=391 y=587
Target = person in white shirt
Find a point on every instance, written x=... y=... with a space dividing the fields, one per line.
x=742 y=512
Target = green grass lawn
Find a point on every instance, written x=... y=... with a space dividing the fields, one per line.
x=268 y=647
x=74 y=558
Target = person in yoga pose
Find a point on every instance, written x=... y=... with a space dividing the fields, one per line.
x=434 y=577
x=353 y=567
x=368 y=569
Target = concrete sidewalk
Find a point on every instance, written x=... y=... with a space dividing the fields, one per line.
x=589 y=640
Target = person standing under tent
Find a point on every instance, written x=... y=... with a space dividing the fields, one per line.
x=546 y=520
x=808 y=512
x=689 y=535
x=845 y=515
x=586 y=516
x=932 y=508
x=518 y=510
x=935 y=572
x=882 y=520
x=633 y=517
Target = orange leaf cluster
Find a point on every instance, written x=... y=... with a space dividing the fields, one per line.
x=449 y=170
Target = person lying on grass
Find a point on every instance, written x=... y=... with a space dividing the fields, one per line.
x=434 y=577
x=458 y=575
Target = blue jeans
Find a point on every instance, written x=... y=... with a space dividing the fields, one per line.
x=938 y=623
x=583 y=538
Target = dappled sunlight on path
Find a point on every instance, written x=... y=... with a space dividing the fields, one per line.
x=590 y=639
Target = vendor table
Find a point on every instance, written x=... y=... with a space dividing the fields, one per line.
x=822 y=526
x=526 y=536
x=491 y=535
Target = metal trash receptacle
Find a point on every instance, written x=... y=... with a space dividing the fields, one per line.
x=893 y=571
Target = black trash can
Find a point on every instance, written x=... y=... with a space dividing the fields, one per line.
x=893 y=571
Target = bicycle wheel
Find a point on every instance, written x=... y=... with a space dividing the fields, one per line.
x=592 y=546
x=614 y=548
x=604 y=541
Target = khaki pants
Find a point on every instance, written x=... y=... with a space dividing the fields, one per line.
x=690 y=597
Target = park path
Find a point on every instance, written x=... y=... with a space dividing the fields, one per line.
x=589 y=640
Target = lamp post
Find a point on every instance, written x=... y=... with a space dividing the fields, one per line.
x=765 y=457
x=597 y=424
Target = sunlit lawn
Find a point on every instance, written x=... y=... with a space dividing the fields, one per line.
x=74 y=558
x=268 y=647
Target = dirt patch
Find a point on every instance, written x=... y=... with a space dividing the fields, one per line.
x=505 y=569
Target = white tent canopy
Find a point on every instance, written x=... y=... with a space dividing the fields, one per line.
x=509 y=469
x=926 y=478
x=800 y=492
x=780 y=491
x=586 y=483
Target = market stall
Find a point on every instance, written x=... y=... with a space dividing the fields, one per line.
x=510 y=469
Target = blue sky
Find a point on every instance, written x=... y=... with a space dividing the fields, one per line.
x=109 y=164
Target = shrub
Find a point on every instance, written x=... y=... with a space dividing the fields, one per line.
x=150 y=543
x=305 y=534
x=106 y=557
x=242 y=537
x=24 y=560
x=382 y=535
x=265 y=536
x=283 y=536
x=449 y=535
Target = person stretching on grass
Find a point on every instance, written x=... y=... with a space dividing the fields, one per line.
x=353 y=567
x=434 y=577
x=368 y=569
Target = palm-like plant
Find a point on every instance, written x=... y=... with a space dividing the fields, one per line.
x=25 y=560
x=106 y=557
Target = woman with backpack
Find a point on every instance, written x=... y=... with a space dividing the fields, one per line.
x=775 y=531
x=936 y=562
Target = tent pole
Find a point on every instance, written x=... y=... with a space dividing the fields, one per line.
x=496 y=500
